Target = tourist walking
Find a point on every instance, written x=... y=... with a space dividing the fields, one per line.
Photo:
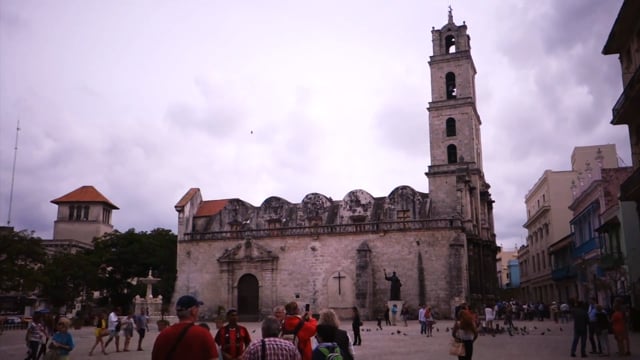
x=619 y=327
x=183 y=340
x=142 y=326
x=128 y=325
x=387 y=319
x=465 y=330
x=100 y=332
x=428 y=315
x=593 y=336
x=36 y=336
x=422 y=319
x=602 y=330
x=404 y=314
x=489 y=315
x=580 y=325
x=113 y=324
x=271 y=346
x=356 y=323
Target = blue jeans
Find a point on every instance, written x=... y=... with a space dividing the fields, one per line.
x=423 y=327
x=468 y=349
x=34 y=347
x=582 y=335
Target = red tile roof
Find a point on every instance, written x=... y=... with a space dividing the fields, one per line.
x=85 y=193
x=211 y=207
x=186 y=198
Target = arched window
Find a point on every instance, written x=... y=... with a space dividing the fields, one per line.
x=452 y=154
x=451 y=127
x=451 y=85
x=449 y=44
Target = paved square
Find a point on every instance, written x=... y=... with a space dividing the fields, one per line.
x=546 y=340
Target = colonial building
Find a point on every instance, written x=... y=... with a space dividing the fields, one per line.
x=624 y=40
x=504 y=268
x=548 y=221
x=334 y=253
x=596 y=232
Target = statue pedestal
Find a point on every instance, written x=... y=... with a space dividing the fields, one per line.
x=398 y=304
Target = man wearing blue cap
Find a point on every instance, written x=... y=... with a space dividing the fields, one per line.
x=183 y=340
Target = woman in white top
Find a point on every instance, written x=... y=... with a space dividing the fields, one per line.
x=489 y=315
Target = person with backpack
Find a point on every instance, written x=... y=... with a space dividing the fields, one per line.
x=299 y=328
x=327 y=349
x=329 y=317
x=232 y=338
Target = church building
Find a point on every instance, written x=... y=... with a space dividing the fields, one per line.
x=334 y=253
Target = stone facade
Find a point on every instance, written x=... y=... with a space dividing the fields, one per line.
x=333 y=253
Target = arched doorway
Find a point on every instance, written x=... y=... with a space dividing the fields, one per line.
x=248 y=298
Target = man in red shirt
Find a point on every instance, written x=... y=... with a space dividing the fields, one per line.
x=184 y=340
x=232 y=338
x=303 y=331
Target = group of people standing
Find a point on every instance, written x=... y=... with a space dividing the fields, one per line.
x=425 y=317
x=593 y=322
x=288 y=334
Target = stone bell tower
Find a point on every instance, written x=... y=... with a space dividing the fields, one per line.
x=457 y=186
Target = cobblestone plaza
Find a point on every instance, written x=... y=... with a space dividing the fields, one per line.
x=545 y=340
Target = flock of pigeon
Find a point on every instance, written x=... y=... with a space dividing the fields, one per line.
x=512 y=331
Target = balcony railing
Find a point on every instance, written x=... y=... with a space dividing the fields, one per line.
x=377 y=227
x=630 y=188
x=562 y=273
x=626 y=98
x=586 y=247
x=611 y=261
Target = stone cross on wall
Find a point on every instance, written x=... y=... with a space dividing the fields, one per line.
x=339 y=277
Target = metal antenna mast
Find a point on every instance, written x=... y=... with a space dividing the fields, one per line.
x=13 y=172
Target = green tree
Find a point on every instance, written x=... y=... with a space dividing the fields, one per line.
x=68 y=276
x=21 y=257
x=123 y=257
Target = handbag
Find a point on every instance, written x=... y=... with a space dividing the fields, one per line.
x=456 y=348
x=52 y=354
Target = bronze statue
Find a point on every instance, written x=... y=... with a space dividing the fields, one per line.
x=395 y=285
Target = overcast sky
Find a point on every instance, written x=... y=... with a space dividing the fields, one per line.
x=252 y=99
